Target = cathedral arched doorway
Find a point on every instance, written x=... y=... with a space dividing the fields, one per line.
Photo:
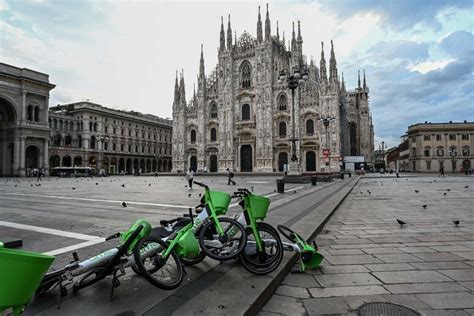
x=246 y=158
x=7 y=124
x=193 y=163
x=213 y=163
x=129 y=166
x=54 y=161
x=77 y=161
x=67 y=161
x=282 y=161
x=310 y=161
x=32 y=157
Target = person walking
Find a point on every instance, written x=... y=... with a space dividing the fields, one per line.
x=230 y=175
x=190 y=177
x=441 y=171
x=40 y=173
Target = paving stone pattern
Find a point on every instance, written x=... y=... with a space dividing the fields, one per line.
x=427 y=264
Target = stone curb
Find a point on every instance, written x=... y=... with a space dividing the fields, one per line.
x=270 y=289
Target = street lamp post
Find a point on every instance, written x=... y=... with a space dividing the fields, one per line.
x=326 y=119
x=293 y=80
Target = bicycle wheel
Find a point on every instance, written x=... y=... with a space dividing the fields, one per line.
x=225 y=247
x=289 y=233
x=267 y=260
x=192 y=261
x=163 y=272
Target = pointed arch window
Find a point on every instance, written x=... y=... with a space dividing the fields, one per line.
x=245 y=112
x=193 y=136
x=213 y=134
x=282 y=102
x=213 y=110
x=246 y=74
x=282 y=129
x=309 y=127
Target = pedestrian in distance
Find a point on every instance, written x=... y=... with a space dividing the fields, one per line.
x=397 y=173
x=190 y=177
x=441 y=171
x=40 y=173
x=230 y=175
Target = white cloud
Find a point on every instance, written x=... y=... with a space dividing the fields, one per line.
x=428 y=66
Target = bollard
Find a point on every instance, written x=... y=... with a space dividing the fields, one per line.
x=342 y=176
x=314 y=180
x=280 y=185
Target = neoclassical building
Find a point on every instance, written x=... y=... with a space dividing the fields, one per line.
x=241 y=115
x=435 y=145
x=89 y=134
x=24 y=130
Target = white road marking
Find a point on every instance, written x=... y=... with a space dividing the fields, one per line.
x=50 y=231
x=97 y=200
x=294 y=189
x=74 y=247
x=257 y=182
x=271 y=194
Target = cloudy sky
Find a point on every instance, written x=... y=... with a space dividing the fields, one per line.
x=417 y=54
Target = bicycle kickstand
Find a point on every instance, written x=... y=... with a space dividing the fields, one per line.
x=62 y=291
x=115 y=282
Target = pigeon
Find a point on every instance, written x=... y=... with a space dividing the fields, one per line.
x=73 y=188
x=149 y=184
x=416 y=191
x=185 y=186
x=123 y=185
x=200 y=194
x=32 y=184
x=444 y=193
x=189 y=195
x=448 y=190
x=370 y=192
x=16 y=185
x=361 y=193
x=466 y=187
x=124 y=204
x=434 y=180
x=424 y=206
x=96 y=183
x=456 y=222
x=400 y=222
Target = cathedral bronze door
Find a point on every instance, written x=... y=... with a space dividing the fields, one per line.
x=213 y=163
x=310 y=161
x=193 y=163
x=246 y=158
x=282 y=161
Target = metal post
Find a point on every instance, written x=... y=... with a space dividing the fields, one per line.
x=293 y=140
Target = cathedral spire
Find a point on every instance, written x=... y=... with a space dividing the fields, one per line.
x=278 y=32
x=201 y=63
x=284 y=44
x=176 y=89
x=235 y=38
x=299 y=32
x=267 y=26
x=293 y=40
x=322 y=65
x=202 y=74
x=259 y=27
x=332 y=65
x=222 y=37
x=182 y=90
x=229 y=36
x=358 y=79
x=343 y=83
x=365 y=84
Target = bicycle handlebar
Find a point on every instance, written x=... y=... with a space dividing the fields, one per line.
x=116 y=235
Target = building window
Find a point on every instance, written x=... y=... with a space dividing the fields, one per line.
x=193 y=136
x=90 y=126
x=30 y=113
x=466 y=151
x=95 y=127
x=309 y=127
x=427 y=137
x=213 y=135
x=121 y=132
x=282 y=129
x=453 y=151
x=413 y=152
x=93 y=141
x=413 y=139
x=79 y=141
x=115 y=131
x=245 y=112
x=438 y=137
x=129 y=148
x=213 y=110
x=37 y=114
x=282 y=102
x=129 y=133
x=440 y=151
x=121 y=147
x=452 y=136
x=465 y=136
x=428 y=165
x=427 y=151
x=106 y=146
x=143 y=149
x=246 y=75
x=136 y=148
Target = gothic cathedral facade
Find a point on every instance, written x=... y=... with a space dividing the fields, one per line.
x=241 y=116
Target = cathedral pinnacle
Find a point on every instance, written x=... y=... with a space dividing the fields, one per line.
x=358 y=80
x=176 y=89
x=267 y=26
x=278 y=32
x=222 y=37
x=293 y=40
x=365 y=84
x=299 y=31
x=201 y=63
x=229 y=36
x=259 y=27
x=322 y=65
x=182 y=90
x=332 y=65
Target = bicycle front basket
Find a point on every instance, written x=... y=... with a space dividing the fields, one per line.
x=257 y=206
x=220 y=201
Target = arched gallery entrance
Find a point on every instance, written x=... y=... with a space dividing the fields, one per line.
x=246 y=158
